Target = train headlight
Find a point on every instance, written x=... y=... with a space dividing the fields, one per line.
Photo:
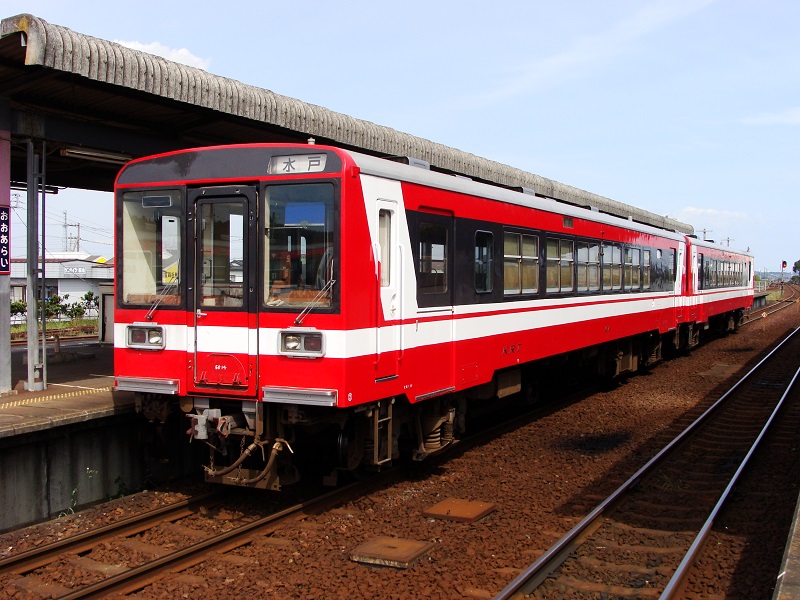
x=302 y=343
x=292 y=342
x=145 y=337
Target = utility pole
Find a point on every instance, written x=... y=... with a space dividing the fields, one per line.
x=67 y=238
x=705 y=231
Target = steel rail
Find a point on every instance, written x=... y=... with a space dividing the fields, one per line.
x=533 y=575
x=678 y=577
x=37 y=557
x=138 y=577
x=759 y=313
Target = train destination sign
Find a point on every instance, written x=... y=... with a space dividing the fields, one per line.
x=5 y=240
x=298 y=163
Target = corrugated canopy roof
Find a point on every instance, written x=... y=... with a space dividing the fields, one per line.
x=76 y=90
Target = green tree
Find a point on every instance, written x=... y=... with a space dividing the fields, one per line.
x=19 y=308
x=90 y=303
x=75 y=311
x=55 y=306
x=796 y=267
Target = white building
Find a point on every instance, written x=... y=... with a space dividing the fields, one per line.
x=66 y=273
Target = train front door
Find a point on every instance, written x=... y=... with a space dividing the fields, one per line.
x=224 y=310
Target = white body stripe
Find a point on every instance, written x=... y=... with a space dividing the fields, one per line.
x=435 y=327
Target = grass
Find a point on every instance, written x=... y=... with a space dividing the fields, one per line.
x=74 y=327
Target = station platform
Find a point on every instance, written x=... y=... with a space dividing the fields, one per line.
x=79 y=383
x=787 y=586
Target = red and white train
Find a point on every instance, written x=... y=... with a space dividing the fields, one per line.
x=307 y=305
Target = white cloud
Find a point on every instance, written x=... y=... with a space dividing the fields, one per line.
x=729 y=227
x=712 y=214
x=593 y=50
x=790 y=116
x=180 y=55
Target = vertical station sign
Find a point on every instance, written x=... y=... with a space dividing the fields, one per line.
x=5 y=239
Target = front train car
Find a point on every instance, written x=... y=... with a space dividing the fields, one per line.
x=230 y=303
x=304 y=309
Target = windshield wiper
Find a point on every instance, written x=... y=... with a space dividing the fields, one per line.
x=168 y=289
x=326 y=288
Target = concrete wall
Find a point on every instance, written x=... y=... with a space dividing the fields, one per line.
x=51 y=472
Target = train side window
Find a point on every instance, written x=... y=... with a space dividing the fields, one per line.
x=582 y=259
x=432 y=274
x=530 y=264
x=612 y=267
x=632 y=269
x=702 y=266
x=553 y=266
x=594 y=267
x=645 y=269
x=560 y=259
x=520 y=264
x=484 y=261
x=385 y=241
x=567 y=256
x=673 y=269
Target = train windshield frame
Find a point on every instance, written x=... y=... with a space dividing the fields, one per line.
x=152 y=223
x=300 y=244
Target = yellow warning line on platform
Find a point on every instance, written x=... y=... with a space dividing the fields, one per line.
x=27 y=401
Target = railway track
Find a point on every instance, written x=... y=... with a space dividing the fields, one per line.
x=642 y=540
x=756 y=314
x=142 y=562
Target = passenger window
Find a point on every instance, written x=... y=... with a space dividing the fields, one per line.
x=612 y=267
x=530 y=264
x=560 y=257
x=567 y=255
x=385 y=241
x=553 y=266
x=673 y=269
x=432 y=276
x=484 y=261
x=632 y=273
x=645 y=269
x=520 y=264
x=588 y=259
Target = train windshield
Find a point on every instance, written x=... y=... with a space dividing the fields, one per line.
x=152 y=222
x=299 y=245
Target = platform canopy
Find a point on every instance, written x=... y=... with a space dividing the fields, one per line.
x=96 y=103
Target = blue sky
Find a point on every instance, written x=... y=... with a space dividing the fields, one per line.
x=687 y=108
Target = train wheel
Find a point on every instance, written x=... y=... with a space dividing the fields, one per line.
x=350 y=446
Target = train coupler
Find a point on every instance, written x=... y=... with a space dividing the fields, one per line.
x=265 y=478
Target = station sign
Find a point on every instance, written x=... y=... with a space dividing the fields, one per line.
x=5 y=240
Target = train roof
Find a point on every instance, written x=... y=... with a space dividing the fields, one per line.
x=371 y=165
x=717 y=246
